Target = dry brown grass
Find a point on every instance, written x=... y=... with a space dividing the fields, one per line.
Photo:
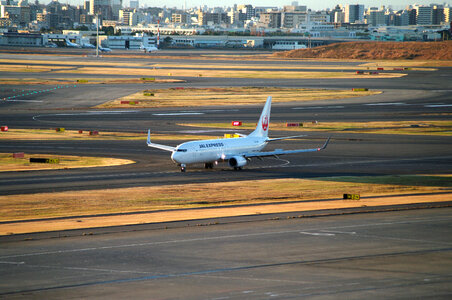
x=51 y=134
x=229 y=96
x=339 y=66
x=91 y=80
x=46 y=205
x=225 y=73
x=8 y=163
x=382 y=127
x=31 y=68
x=72 y=62
x=199 y=214
x=425 y=51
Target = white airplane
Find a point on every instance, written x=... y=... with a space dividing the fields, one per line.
x=88 y=45
x=104 y=49
x=237 y=151
x=148 y=49
x=72 y=45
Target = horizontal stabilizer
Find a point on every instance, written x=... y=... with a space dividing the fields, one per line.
x=241 y=134
x=284 y=138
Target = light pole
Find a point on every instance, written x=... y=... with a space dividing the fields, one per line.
x=97 y=35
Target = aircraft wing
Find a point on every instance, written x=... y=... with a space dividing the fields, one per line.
x=159 y=146
x=278 y=152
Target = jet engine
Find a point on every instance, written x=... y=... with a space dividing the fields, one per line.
x=237 y=161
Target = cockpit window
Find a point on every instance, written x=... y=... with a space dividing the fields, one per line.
x=181 y=150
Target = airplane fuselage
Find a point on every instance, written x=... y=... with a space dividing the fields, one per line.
x=215 y=150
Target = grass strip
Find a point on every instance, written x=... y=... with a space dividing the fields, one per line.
x=52 y=134
x=189 y=97
x=226 y=73
x=91 y=80
x=76 y=203
x=8 y=163
x=442 y=128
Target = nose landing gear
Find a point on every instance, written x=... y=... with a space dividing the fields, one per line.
x=183 y=167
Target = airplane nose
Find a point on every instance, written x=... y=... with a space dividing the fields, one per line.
x=174 y=157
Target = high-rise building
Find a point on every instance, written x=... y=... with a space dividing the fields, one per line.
x=438 y=15
x=128 y=16
x=402 y=18
x=337 y=14
x=101 y=8
x=271 y=19
x=339 y=17
x=354 y=13
x=116 y=5
x=412 y=16
x=447 y=15
x=134 y=4
x=424 y=15
x=206 y=18
x=291 y=16
x=180 y=18
x=375 y=16
x=249 y=11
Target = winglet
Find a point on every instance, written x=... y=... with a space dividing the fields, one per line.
x=149 y=136
x=324 y=145
x=159 y=146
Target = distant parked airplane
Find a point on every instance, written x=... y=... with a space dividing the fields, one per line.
x=72 y=45
x=148 y=49
x=88 y=45
x=104 y=49
x=237 y=151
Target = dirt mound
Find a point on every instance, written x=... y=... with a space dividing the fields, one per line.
x=376 y=50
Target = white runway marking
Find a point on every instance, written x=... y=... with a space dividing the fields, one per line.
x=320 y=107
x=386 y=103
x=438 y=105
x=210 y=110
x=340 y=232
x=317 y=233
x=12 y=262
x=178 y=114
x=88 y=113
x=111 y=112
x=24 y=101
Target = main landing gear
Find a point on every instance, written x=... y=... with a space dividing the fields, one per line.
x=208 y=165
x=237 y=168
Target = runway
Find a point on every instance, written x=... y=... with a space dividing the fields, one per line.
x=402 y=254
x=382 y=255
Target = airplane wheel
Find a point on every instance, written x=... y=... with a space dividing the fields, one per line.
x=182 y=169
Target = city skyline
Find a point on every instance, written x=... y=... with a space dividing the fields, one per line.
x=311 y=4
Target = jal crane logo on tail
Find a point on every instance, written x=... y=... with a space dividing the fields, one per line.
x=265 y=123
